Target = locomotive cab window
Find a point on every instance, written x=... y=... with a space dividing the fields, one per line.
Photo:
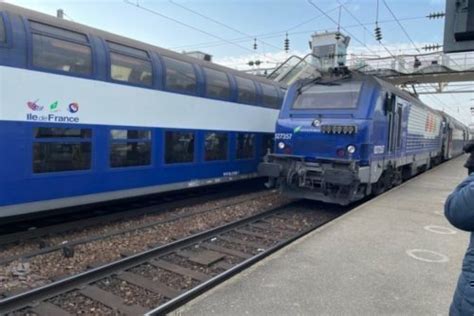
x=60 y=50
x=217 y=84
x=247 y=91
x=3 y=35
x=61 y=149
x=130 y=148
x=179 y=147
x=180 y=76
x=130 y=65
x=336 y=96
x=215 y=146
x=245 y=145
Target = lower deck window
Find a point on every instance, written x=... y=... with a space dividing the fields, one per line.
x=61 y=149
x=130 y=148
x=245 y=145
x=179 y=147
x=267 y=144
x=215 y=146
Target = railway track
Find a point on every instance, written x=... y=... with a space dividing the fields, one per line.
x=67 y=247
x=36 y=229
x=160 y=279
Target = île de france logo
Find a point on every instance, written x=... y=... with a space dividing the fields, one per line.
x=54 y=112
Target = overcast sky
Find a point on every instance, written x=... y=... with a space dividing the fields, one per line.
x=226 y=28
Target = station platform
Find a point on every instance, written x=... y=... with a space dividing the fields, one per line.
x=396 y=254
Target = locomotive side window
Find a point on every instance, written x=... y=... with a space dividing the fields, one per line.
x=215 y=146
x=61 y=149
x=130 y=65
x=179 y=147
x=60 y=50
x=270 y=96
x=3 y=37
x=180 y=75
x=217 y=84
x=130 y=148
x=245 y=145
x=336 y=96
x=247 y=91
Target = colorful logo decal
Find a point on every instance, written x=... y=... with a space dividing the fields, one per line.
x=53 y=107
x=297 y=129
x=34 y=105
x=73 y=107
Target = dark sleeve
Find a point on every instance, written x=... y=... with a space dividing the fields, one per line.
x=459 y=206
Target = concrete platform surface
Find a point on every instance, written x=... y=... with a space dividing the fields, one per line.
x=394 y=255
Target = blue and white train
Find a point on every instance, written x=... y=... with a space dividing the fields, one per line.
x=341 y=139
x=87 y=116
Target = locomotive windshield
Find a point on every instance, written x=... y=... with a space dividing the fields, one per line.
x=335 y=96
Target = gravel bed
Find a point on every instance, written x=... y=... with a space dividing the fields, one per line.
x=244 y=237
x=230 y=245
x=173 y=280
x=271 y=233
x=28 y=246
x=47 y=267
x=131 y=294
x=78 y=304
x=185 y=263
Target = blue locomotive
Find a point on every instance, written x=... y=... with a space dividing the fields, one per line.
x=87 y=116
x=339 y=139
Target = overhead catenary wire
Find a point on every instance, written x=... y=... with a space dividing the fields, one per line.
x=137 y=5
x=282 y=33
x=249 y=36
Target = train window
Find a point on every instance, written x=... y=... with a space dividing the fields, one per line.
x=61 y=149
x=335 y=96
x=215 y=146
x=179 y=147
x=247 y=91
x=180 y=75
x=270 y=96
x=58 y=32
x=267 y=144
x=61 y=55
x=3 y=37
x=217 y=84
x=128 y=50
x=130 y=148
x=245 y=145
x=55 y=132
x=130 y=69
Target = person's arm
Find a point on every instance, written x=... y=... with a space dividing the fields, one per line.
x=459 y=206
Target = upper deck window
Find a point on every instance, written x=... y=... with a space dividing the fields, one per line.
x=247 y=91
x=3 y=37
x=336 y=96
x=180 y=75
x=217 y=84
x=130 y=65
x=61 y=50
x=270 y=96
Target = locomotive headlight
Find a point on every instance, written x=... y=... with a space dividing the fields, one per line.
x=281 y=145
x=316 y=123
x=351 y=149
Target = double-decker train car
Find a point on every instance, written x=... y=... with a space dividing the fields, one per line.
x=87 y=116
x=341 y=139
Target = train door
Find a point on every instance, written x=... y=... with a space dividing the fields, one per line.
x=395 y=118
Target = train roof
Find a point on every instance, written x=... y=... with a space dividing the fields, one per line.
x=77 y=27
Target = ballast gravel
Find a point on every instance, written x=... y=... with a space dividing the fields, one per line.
x=46 y=268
